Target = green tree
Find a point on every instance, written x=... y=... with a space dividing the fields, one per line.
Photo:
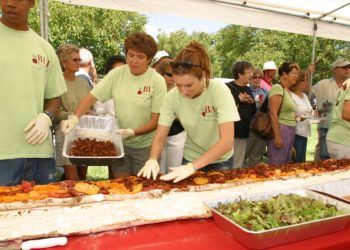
x=101 y=31
x=176 y=40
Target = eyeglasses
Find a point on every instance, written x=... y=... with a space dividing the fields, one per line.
x=76 y=59
x=256 y=77
x=346 y=67
x=168 y=74
x=185 y=65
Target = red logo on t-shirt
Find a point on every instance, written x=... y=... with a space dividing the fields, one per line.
x=208 y=110
x=40 y=60
x=144 y=90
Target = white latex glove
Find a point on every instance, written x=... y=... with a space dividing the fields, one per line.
x=69 y=124
x=179 y=173
x=151 y=168
x=38 y=129
x=126 y=133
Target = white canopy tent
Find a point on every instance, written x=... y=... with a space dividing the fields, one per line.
x=296 y=16
x=322 y=18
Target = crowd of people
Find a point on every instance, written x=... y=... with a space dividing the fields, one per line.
x=173 y=117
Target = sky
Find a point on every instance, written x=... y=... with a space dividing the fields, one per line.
x=169 y=24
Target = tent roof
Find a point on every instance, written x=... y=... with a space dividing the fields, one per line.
x=296 y=16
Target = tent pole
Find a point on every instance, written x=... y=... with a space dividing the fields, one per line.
x=314 y=36
x=44 y=19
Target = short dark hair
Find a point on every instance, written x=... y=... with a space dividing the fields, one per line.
x=239 y=68
x=287 y=67
x=141 y=42
x=113 y=60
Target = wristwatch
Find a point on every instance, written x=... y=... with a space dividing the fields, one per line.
x=49 y=114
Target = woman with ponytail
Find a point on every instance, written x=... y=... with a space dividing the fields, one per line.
x=206 y=110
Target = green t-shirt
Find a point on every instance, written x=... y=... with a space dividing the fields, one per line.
x=135 y=98
x=200 y=117
x=29 y=73
x=339 y=130
x=287 y=112
x=76 y=91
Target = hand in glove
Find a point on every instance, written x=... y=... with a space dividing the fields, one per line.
x=69 y=124
x=126 y=133
x=151 y=168
x=38 y=129
x=179 y=173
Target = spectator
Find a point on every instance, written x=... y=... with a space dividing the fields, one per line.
x=303 y=111
x=159 y=57
x=338 y=137
x=113 y=62
x=256 y=146
x=242 y=73
x=172 y=152
x=31 y=85
x=137 y=91
x=326 y=92
x=269 y=70
x=205 y=109
x=87 y=69
x=282 y=114
x=77 y=88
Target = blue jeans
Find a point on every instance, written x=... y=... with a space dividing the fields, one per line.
x=300 y=144
x=225 y=165
x=39 y=170
x=322 y=134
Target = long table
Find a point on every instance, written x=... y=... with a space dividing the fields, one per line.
x=189 y=234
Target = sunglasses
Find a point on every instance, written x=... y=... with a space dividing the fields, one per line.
x=76 y=59
x=168 y=74
x=185 y=65
x=346 y=67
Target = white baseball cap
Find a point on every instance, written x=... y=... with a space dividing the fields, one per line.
x=340 y=62
x=269 y=65
x=159 y=55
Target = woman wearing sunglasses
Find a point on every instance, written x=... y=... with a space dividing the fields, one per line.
x=207 y=112
x=77 y=88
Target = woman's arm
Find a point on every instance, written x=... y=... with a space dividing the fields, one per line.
x=274 y=105
x=150 y=126
x=221 y=147
x=158 y=141
x=346 y=110
x=85 y=105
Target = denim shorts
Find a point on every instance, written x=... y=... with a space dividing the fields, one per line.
x=39 y=170
x=225 y=165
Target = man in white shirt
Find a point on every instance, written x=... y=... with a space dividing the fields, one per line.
x=326 y=92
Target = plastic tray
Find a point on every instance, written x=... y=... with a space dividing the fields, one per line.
x=281 y=235
x=99 y=128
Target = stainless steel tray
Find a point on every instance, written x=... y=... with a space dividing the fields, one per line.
x=99 y=128
x=281 y=235
x=335 y=189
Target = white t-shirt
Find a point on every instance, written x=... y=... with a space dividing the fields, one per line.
x=303 y=106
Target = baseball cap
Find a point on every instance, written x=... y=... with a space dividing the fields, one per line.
x=159 y=55
x=269 y=65
x=340 y=62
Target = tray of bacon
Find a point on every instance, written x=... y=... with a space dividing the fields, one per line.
x=94 y=142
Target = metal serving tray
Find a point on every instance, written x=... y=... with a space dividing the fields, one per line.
x=94 y=127
x=281 y=235
x=335 y=189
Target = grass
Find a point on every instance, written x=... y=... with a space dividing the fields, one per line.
x=101 y=172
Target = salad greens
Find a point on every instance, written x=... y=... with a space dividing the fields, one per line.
x=279 y=211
